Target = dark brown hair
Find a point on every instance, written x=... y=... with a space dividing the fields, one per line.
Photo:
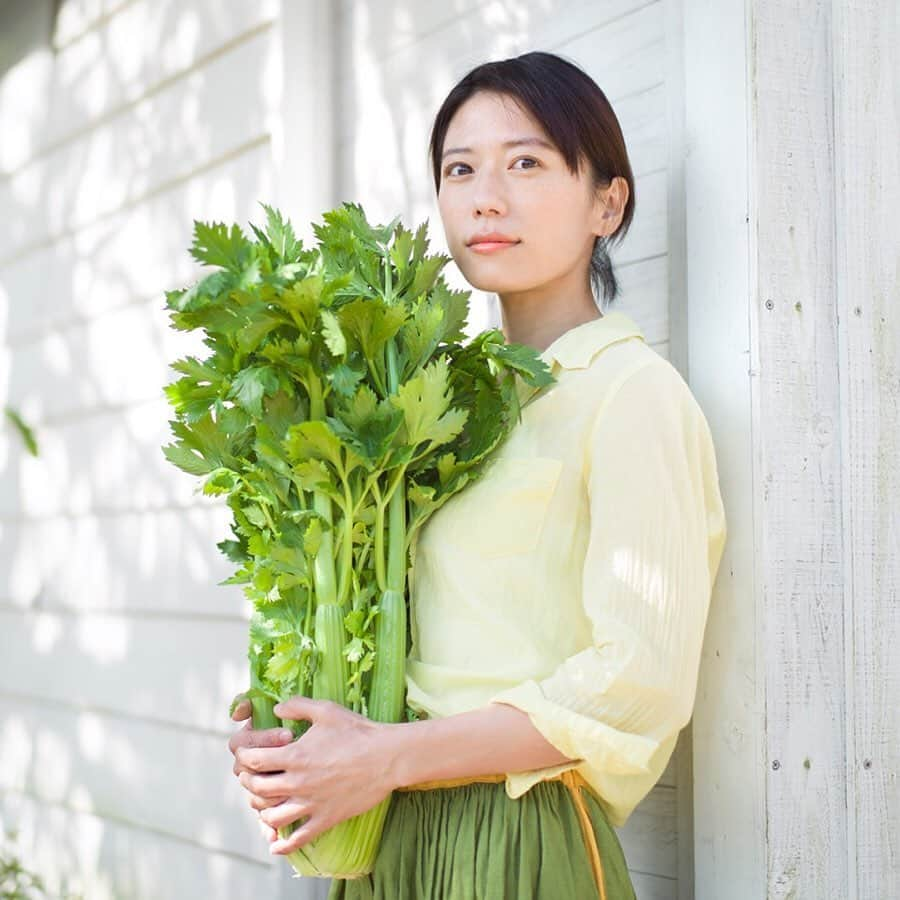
x=578 y=119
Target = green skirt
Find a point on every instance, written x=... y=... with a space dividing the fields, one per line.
x=472 y=842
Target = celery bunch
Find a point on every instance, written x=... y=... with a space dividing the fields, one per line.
x=338 y=408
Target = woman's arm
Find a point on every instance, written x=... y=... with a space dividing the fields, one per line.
x=345 y=763
x=493 y=739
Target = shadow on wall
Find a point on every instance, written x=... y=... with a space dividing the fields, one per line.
x=120 y=651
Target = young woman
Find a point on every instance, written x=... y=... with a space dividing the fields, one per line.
x=558 y=603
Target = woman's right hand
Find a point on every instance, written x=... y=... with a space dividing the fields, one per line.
x=250 y=737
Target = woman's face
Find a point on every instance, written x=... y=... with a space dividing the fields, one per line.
x=524 y=191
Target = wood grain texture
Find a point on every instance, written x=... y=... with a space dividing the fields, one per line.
x=866 y=110
x=799 y=442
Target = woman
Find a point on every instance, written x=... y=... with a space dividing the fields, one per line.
x=558 y=603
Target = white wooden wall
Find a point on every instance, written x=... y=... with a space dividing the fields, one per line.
x=407 y=56
x=763 y=141
x=793 y=183
x=119 y=653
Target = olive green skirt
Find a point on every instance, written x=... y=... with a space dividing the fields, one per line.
x=472 y=842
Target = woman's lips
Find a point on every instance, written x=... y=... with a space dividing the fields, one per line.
x=491 y=246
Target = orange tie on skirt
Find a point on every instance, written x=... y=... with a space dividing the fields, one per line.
x=572 y=779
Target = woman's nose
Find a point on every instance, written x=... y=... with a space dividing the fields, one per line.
x=488 y=196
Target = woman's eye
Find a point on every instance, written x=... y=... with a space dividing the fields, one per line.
x=452 y=166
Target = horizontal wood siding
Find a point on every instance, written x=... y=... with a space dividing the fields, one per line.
x=120 y=650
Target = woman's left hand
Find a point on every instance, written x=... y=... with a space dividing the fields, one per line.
x=340 y=767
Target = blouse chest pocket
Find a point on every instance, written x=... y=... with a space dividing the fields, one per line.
x=503 y=513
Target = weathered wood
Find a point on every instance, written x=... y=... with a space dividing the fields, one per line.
x=866 y=87
x=129 y=257
x=729 y=717
x=107 y=858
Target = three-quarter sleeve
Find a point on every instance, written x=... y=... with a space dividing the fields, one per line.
x=656 y=536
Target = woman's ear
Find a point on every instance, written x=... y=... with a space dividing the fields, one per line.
x=610 y=206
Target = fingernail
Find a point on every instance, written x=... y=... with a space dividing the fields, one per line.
x=285 y=735
x=274 y=848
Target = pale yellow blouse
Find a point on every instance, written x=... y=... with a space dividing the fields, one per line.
x=573 y=580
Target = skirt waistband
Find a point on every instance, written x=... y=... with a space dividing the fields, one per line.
x=571 y=778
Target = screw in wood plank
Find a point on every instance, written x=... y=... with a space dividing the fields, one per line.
x=770 y=304
x=867 y=763
x=776 y=764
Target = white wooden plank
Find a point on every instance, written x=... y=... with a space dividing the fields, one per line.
x=116 y=61
x=165 y=779
x=132 y=256
x=393 y=25
x=177 y=671
x=111 y=360
x=386 y=102
x=654 y=887
x=867 y=199
x=107 y=859
x=163 y=138
x=150 y=563
x=799 y=436
x=642 y=296
x=729 y=722
x=75 y=18
x=388 y=28
x=111 y=461
x=649 y=839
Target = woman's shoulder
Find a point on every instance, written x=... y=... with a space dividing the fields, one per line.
x=632 y=374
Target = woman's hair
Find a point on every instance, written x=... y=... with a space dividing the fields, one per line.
x=576 y=116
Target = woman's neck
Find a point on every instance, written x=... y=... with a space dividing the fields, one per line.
x=538 y=323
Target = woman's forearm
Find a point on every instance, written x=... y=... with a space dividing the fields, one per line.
x=494 y=739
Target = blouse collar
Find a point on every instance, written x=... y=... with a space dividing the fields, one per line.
x=575 y=348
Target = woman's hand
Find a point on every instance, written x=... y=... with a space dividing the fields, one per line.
x=341 y=766
x=249 y=737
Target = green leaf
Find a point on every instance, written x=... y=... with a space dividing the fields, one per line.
x=251 y=385
x=523 y=359
x=425 y=402
x=372 y=323
x=313 y=440
x=312 y=537
x=426 y=272
x=25 y=432
x=331 y=331
x=281 y=236
x=217 y=245
x=421 y=334
x=311 y=474
x=344 y=379
x=367 y=425
x=201 y=448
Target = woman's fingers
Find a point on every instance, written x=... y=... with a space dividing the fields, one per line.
x=284 y=814
x=263 y=760
x=268 y=787
x=241 y=709
x=307 y=832
x=260 y=803
x=268 y=832
x=263 y=737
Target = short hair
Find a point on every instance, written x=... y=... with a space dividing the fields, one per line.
x=576 y=116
